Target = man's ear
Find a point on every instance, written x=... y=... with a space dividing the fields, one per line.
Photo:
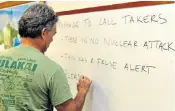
x=43 y=33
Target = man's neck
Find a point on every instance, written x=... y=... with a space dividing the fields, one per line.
x=34 y=43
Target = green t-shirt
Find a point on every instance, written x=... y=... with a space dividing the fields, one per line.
x=30 y=81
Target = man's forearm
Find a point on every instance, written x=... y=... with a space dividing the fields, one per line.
x=79 y=101
x=75 y=104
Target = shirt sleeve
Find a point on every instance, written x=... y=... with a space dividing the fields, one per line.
x=59 y=89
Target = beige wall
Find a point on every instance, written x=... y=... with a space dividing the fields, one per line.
x=71 y=5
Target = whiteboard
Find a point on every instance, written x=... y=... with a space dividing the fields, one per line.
x=128 y=54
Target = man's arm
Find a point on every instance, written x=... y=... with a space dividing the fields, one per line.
x=77 y=103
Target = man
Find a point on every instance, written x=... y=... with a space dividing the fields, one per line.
x=29 y=81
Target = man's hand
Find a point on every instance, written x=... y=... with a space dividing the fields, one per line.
x=83 y=85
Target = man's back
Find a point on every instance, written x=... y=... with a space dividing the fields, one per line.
x=29 y=81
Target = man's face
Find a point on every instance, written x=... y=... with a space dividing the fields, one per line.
x=48 y=37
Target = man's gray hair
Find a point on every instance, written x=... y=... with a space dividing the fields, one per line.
x=35 y=18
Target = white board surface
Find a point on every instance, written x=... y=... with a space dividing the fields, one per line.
x=128 y=54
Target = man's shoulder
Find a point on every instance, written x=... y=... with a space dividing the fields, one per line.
x=50 y=64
